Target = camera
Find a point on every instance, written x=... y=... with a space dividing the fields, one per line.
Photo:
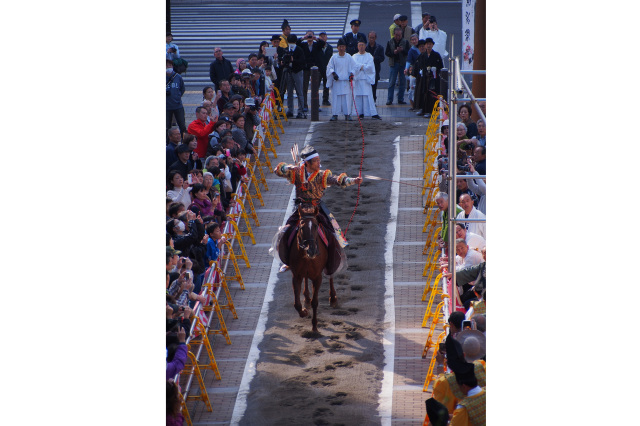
x=251 y=103
x=287 y=60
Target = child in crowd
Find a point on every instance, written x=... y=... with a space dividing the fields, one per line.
x=238 y=169
x=411 y=86
x=268 y=81
x=216 y=240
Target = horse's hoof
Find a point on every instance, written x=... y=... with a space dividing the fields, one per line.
x=333 y=302
x=304 y=313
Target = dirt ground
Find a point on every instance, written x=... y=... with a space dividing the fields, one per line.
x=334 y=379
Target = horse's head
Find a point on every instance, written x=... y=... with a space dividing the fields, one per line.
x=308 y=230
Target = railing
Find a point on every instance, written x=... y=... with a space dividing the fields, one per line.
x=446 y=288
x=215 y=281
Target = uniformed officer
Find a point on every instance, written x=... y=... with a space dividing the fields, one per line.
x=354 y=37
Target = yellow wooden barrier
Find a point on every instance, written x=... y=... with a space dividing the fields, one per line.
x=432 y=364
x=436 y=316
x=229 y=305
x=234 y=262
x=237 y=236
x=279 y=109
x=429 y=287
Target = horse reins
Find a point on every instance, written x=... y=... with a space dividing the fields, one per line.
x=361 y=157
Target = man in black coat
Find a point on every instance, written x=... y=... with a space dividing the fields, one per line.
x=354 y=37
x=184 y=164
x=327 y=53
x=291 y=60
x=220 y=68
x=377 y=51
x=427 y=86
x=312 y=49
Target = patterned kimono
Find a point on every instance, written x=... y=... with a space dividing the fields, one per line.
x=310 y=188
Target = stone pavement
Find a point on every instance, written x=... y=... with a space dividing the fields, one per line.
x=410 y=368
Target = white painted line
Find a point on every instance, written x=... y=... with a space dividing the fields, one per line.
x=389 y=338
x=410 y=209
x=354 y=13
x=409 y=283
x=409 y=243
x=240 y=405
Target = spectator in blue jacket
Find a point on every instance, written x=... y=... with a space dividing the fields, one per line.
x=216 y=240
x=175 y=90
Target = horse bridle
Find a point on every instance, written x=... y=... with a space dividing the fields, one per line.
x=307 y=212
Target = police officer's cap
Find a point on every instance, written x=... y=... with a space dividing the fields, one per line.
x=355 y=22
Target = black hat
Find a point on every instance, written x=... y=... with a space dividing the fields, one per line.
x=285 y=24
x=403 y=18
x=228 y=105
x=429 y=40
x=183 y=147
x=355 y=22
x=421 y=42
x=438 y=414
x=275 y=37
x=341 y=42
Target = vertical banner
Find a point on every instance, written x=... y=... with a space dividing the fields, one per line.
x=468 y=28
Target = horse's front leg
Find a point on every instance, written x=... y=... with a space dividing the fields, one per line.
x=333 y=298
x=297 y=283
x=307 y=295
x=314 y=302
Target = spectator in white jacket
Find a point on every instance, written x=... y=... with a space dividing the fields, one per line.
x=470 y=212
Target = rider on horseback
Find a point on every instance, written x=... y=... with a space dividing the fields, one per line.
x=310 y=184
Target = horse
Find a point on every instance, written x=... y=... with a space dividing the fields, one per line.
x=307 y=258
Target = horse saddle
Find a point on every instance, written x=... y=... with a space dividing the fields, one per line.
x=327 y=237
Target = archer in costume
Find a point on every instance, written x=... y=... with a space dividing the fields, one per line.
x=311 y=182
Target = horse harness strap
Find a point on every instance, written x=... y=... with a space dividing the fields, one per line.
x=294 y=232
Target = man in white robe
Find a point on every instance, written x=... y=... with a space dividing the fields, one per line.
x=364 y=77
x=340 y=70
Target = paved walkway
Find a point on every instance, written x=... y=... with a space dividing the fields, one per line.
x=410 y=370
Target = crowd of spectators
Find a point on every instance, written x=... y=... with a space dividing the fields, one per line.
x=206 y=159
x=459 y=394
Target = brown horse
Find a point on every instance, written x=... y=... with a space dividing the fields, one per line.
x=307 y=258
